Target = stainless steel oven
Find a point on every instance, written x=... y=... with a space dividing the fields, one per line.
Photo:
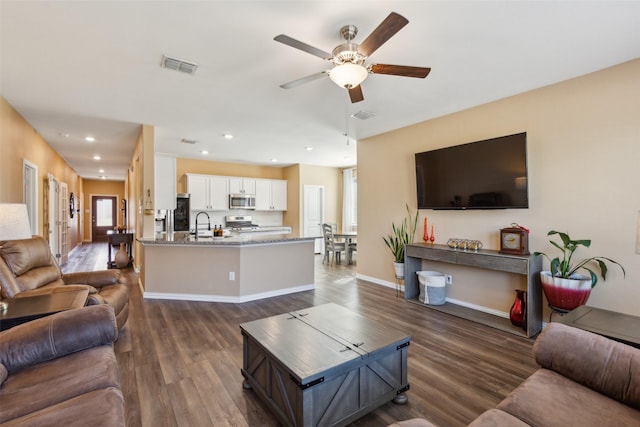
x=242 y=201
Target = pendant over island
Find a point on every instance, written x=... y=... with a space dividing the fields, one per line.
x=235 y=269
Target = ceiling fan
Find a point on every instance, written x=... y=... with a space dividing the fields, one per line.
x=349 y=58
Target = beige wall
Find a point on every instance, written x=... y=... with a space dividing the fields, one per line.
x=331 y=179
x=18 y=141
x=583 y=154
x=296 y=175
x=208 y=167
x=94 y=187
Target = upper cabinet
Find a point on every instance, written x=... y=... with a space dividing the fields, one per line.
x=165 y=182
x=242 y=185
x=211 y=192
x=208 y=192
x=271 y=195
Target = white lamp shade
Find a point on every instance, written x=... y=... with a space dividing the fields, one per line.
x=14 y=222
x=348 y=75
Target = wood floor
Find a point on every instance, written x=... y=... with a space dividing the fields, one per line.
x=180 y=361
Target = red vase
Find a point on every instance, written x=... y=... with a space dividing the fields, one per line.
x=518 y=312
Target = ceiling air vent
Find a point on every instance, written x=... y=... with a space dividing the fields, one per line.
x=179 y=65
x=363 y=115
x=188 y=141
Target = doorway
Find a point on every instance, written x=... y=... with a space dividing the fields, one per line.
x=103 y=216
x=314 y=214
x=30 y=192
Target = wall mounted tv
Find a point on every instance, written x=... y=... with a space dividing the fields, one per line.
x=489 y=174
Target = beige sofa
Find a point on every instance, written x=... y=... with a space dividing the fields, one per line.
x=28 y=268
x=61 y=370
x=584 y=380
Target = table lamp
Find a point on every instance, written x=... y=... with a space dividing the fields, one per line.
x=14 y=222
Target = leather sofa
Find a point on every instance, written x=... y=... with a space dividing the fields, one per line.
x=28 y=268
x=61 y=370
x=584 y=380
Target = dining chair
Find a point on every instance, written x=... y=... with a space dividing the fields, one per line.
x=353 y=247
x=330 y=245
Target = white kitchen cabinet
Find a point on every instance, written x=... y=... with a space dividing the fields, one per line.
x=208 y=192
x=164 y=182
x=239 y=185
x=271 y=195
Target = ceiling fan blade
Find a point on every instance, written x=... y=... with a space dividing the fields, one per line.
x=303 y=46
x=304 y=80
x=355 y=93
x=399 y=70
x=387 y=29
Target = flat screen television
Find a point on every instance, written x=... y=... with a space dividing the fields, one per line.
x=489 y=174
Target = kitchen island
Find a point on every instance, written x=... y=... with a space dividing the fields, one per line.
x=238 y=268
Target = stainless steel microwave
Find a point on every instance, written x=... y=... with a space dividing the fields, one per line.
x=242 y=201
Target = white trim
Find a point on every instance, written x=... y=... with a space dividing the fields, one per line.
x=376 y=281
x=479 y=308
x=226 y=298
x=449 y=300
x=32 y=203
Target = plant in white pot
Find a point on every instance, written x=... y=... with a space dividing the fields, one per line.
x=403 y=234
x=563 y=286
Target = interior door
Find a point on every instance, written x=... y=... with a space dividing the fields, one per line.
x=314 y=214
x=63 y=222
x=103 y=216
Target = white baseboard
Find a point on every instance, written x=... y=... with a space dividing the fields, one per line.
x=450 y=300
x=224 y=298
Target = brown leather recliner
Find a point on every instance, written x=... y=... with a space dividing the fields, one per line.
x=28 y=268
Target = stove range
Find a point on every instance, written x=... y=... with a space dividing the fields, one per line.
x=240 y=223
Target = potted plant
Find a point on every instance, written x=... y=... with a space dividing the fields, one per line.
x=563 y=286
x=402 y=235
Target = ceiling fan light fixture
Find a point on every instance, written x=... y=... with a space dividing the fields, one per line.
x=348 y=75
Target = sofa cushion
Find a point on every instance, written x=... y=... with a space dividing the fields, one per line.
x=43 y=385
x=99 y=408
x=497 y=418
x=604 y=365
x=547 y=398
x=57 y=335
x=27 y=254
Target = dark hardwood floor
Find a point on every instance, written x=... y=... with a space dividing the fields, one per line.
x=180 y=361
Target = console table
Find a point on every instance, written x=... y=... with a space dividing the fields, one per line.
x=115 y=239
x=529 y=266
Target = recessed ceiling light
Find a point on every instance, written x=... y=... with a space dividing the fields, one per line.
x=96 y=157
x=101 y=171
x=204 y=152
x=274 y=160
x=103 y=177
x=89 y=139
x=308 y=148
x=227 y=136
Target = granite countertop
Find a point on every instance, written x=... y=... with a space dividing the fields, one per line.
x=243 y=239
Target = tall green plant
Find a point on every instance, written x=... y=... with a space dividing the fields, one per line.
x=403 y=234
x=564 y=268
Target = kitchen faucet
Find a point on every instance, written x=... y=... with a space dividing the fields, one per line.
x=208 y=222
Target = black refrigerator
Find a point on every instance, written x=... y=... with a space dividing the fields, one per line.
x=182 y=213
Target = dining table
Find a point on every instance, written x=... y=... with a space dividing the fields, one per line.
x=349 y=238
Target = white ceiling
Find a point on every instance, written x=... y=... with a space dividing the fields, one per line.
x=93 y=67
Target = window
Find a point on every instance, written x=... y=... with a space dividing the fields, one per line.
x=350 y=200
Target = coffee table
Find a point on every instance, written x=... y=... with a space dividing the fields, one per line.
x=618 y=326
x=21 y=310
x=325 y=365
